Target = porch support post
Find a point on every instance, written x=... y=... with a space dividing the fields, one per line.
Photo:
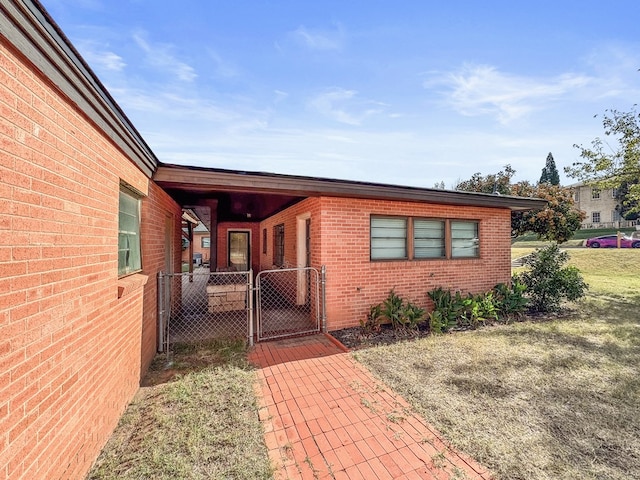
x=213 y=235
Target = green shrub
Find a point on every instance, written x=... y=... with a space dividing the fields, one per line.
x=436 y=322
x=412 y=316
x=449 y=307
x=548 y=283
x=372 y=323
x=402 y=315
x=392 y=309
x=510 y=301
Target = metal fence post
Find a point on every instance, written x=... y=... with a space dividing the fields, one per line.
x=161 y=303
x=250 y=305
x=323 y=284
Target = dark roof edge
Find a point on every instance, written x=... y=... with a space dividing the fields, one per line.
x=27 y=25
x=173 y=176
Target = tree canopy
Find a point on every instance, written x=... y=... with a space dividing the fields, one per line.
x=550 y=173
x=558 y=221
x=614 y=162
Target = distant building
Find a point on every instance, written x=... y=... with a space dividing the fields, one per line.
x=600 y=207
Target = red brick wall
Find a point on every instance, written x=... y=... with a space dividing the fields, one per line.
x=159 y=213
x=289 y=218
x=340 y=241
x=354 y=282
x=223 y=242
x=70 y=349
x=197 y=247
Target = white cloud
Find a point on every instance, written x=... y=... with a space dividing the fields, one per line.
x=99 y=58
x=342 y=106
x=316 y=39
x=161 y=57
x=483 y=90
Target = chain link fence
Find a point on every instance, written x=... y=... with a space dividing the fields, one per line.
x=288 y=302
x=201 y=306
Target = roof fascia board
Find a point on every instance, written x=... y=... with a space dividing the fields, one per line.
x=27 y=26
x=177 y=176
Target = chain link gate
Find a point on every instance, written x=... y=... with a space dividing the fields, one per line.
x=288 y=302
x=200 y=306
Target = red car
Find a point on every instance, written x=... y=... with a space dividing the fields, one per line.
x=611 y=241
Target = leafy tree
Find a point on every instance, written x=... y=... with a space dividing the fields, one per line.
x=627 y=208
x=550 y=173
x=493 y=183
x=548 y=283
x=614 y=166
x=558 y=221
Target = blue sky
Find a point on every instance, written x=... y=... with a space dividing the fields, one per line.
x=402 y=92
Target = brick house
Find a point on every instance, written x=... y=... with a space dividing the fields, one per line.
x=370 y=237
x=89 y=216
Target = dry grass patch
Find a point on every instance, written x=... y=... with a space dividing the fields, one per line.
x=197 y=420
x=555 y=399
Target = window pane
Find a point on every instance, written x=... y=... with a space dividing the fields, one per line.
x=278 y=245
x=428 y=239
x=464 y=239
x=129 y=259
x=206 y=242
x=388 y=238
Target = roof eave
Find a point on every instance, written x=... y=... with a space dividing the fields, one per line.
x=213 y=179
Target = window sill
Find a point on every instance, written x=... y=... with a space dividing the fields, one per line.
x=131 y=283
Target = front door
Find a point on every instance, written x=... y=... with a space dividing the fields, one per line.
x=239 y=250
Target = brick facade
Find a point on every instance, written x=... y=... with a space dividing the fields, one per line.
x=74 y=339
x=340 y=241
x=161 y=247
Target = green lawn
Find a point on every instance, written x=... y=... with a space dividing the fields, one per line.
x=550 y=399
x=580 y=234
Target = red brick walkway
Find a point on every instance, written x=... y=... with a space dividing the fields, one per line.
x=326 y=417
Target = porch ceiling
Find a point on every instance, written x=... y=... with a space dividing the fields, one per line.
x=257 y=195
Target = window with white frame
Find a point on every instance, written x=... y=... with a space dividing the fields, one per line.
x=465 y=241
x=388 y=238
x=595 y=217
x=595 y=194
x=614 y=193
x=205 y=242
x=428 y=238
x=129 y=257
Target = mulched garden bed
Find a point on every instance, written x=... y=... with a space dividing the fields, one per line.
x=353 y=338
